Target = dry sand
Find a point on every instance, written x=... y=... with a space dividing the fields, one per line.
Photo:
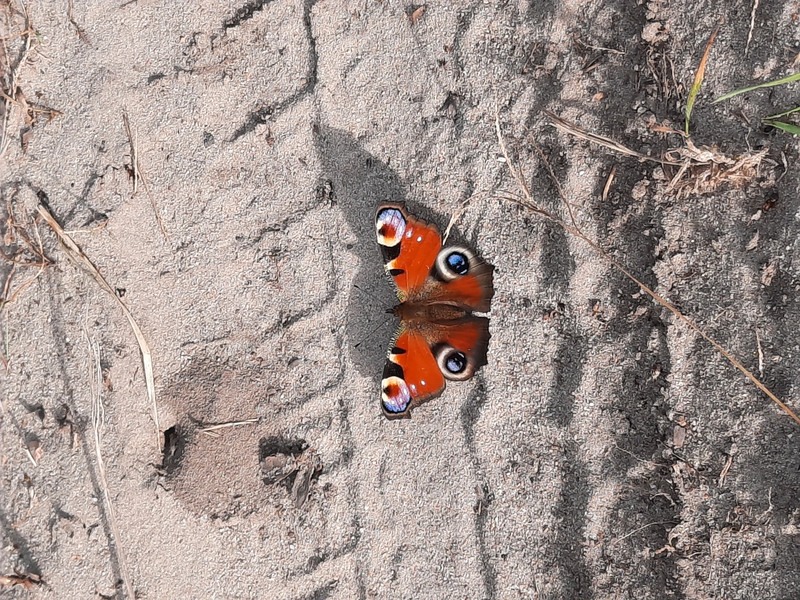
x=605 y=451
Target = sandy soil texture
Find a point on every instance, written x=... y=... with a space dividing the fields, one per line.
x=606 y=450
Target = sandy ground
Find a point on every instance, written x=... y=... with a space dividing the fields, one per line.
x=606 y=451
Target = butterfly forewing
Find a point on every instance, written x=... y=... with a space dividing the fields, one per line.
x=409 y=248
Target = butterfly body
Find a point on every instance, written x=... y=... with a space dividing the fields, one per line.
x=439 y=288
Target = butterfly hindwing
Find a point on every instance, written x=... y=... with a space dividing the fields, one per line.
x=411 y=374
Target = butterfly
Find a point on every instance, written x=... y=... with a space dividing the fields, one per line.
x=439 y=338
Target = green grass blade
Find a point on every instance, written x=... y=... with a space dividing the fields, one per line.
x=787 y=127
x=782 y=81
x=783 y=114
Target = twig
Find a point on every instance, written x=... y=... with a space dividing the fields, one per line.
x=16 y=231
x=98 y=416
x=638 y=529
x=134 y=150
x=75 y=254
x=13 y=83
x=574 y=230
x=138 y=174
x=724 y=473
x=581 y=133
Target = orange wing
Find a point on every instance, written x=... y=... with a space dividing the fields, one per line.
x=472 y=291
x=409 y=245
x=425 y=355
x=411 y=375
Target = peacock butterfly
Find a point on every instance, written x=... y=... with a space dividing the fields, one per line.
x=439 y=338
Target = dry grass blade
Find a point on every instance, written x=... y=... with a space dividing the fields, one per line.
x=134 y=150
x=79 y=258
x=752 y=26
x=528 y=202
x=218 y=426
x=609 y=181
x=455 y=217
x=98 y=416
x=698 y=77
x=10 y=94
x=20 y=249
x=582 y=134
x=459 y=212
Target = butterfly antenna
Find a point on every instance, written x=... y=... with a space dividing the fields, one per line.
x=368 y=294
x=372 y=332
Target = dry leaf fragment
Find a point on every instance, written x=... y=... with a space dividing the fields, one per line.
x=310 y=466
x=769 y=273
x=705 y=169
x=753 y=243
x=416 y=15
x=304 y=466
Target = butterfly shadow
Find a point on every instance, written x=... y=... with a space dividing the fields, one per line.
x=359 y=183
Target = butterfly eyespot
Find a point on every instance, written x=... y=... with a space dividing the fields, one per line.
x=453 y=363
x=454 y=262
x=390 y=225
x=395 y=395
x=456 y=362
x=458 y=263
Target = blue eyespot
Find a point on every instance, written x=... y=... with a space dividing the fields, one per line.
x=458 y=263
x=456 y=362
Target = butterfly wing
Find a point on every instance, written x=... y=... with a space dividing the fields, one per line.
x=409 y=246
x=460 y=278
x=425 y=355
x=425 y=273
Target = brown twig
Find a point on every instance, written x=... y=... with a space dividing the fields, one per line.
x=13 y=84
x=29 y=254
x=581 y=133
x=528 y=202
